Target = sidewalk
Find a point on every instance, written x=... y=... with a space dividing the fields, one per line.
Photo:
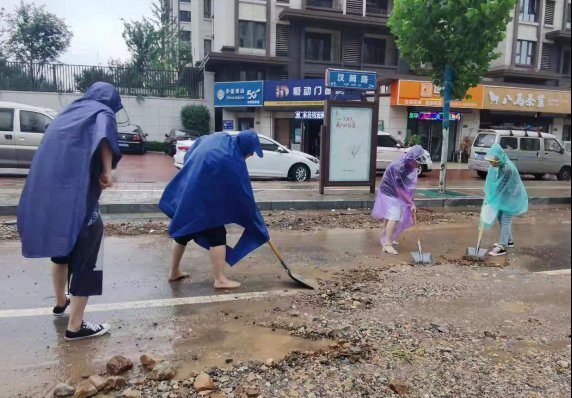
x=283 y=195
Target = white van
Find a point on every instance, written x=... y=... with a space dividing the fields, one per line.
x=22 y=128
x=532 y=152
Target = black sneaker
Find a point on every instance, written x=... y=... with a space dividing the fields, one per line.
x=59 y=311
x=87 y=331
x=498 y=251
x=510 y=244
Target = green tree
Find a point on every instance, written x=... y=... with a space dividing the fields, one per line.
x=34 y=36
x=141 y=40
x=196 y=118
x=457 y=39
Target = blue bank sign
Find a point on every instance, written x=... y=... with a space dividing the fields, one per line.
x=239 y=94
x=351 y=79
x=308 y=92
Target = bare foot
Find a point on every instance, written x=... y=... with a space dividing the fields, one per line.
x=178 y=276
x=226 y=284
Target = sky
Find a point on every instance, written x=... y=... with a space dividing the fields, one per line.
x=96 y=26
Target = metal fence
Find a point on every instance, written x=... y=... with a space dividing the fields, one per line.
x=77 y=78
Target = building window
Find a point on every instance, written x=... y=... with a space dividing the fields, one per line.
x=525 y=52
x=252 y=34
x=184 y=16
x=318 y=46
x=251 y=74
x=566 y=133
x=208 y=46
x=208 y=10
x=186 y=35
x=374 y=51
x=568 y=12
x=185 y=1
x=529 y=10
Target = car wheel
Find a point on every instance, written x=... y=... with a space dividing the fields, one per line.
x=172 y=150
x=420 y=170
x=564 y=174
x=482 y=174
x=538 y=176
x=299 y=173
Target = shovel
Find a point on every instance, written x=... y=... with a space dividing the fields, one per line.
x=476 y=253
x=295 y=277
x=420 y=257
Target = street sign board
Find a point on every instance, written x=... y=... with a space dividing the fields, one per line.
x=351 y=79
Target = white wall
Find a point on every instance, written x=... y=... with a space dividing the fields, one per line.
x=223 y=24
x=156 y=116
x=394 y=118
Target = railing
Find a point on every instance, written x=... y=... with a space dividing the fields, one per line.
x=377 y=8
x=77 y=78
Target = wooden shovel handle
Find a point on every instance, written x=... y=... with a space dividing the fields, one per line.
x=276 y=252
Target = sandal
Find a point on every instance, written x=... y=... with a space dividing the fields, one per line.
x=390 y=250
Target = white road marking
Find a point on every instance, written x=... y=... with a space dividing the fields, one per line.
x=135 y=305
x=560 y=272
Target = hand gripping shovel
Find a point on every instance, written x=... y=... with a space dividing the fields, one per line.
x=420 y=257
x=295 y=277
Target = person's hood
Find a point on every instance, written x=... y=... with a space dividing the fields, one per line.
x=410 y=158
x=248 y=142
x=496 y=153
x=105 y=93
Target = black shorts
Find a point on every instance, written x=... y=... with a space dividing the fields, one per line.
x=214 y=236
x=61 y=260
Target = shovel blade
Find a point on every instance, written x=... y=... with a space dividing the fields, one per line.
x=300 y=280
x=472 y=252
x=421 y=258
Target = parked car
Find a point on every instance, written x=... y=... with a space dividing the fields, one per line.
x=22 y=128
x=132 y=139
x=278 y=161
x=389 y=149
x=177 y=135
x=532 y=153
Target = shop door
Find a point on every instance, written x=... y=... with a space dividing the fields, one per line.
x=282 y=131
x=245 y=123
x=432 y=138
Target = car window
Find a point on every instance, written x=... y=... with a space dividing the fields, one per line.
x=33 y=122
x=551 y=145
x=268 y=145
x=386 y=141
x=529 y=144
x=484 y=140
x=179 y=133
x=6 y=119
x=509 y=143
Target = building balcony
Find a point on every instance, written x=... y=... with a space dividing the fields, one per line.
x=373 y=8
x=559 y=36
x=326 y=16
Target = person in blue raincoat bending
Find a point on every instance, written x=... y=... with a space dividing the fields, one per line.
x=212 y=190
x=505 y=194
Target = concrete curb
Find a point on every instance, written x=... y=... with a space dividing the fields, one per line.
x=125 y=208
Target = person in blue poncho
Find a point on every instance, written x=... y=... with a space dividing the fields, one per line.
x=58 y=214
x=212 y=190
x=505 y=194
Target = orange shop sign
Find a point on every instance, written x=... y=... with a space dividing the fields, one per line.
x=426 y=94
x=526 y=100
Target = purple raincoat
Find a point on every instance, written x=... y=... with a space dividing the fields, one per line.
x=395 y=196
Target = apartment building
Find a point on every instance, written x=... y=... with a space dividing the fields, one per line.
x=287 y=45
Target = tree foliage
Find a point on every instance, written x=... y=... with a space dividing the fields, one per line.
x=196 y=118
x=461 y=33
x=34 y=35
x=154 y=42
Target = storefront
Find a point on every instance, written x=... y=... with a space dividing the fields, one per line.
x=529 y=108
x=425 y=118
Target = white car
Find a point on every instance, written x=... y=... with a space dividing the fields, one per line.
x=389 y=149
x=278 y=161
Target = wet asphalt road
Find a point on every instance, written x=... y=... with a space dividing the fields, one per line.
x=135 y=268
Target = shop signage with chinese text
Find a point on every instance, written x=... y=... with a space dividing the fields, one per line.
x=526 y=100
x=437 y=116
x=239 y=94
x=426 y=94
x=307 y=92
x=309 y=115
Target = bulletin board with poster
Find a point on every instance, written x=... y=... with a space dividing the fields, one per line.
x=349 y=145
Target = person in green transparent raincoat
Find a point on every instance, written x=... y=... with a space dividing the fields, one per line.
x=505 y=194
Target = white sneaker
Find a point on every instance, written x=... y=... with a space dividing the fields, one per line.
x=390 y=250
x=498 y=251
x=510 y=244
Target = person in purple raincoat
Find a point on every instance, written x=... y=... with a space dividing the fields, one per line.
x=394 y=203
x=58 y=214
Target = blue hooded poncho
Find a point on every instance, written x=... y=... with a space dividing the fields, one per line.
x=504 y=190
x=62 y=189
x=213 y=189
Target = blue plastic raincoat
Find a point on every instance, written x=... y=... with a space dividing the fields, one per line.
x=504 y=190
x=213 y=189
